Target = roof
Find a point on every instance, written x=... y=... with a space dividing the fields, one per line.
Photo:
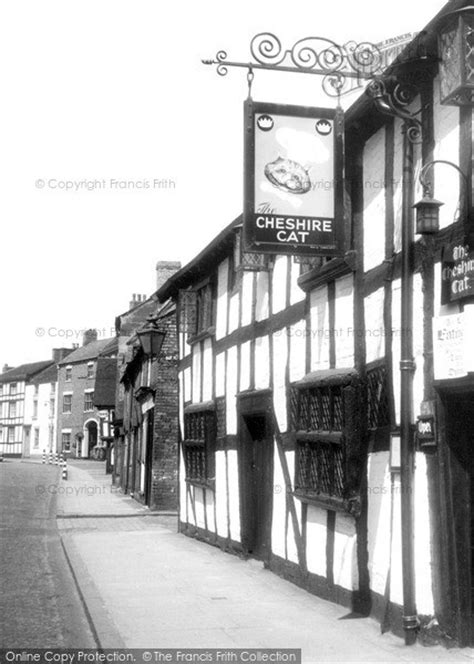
x=24 y=371
x=105 y=379
x=200 y=265
x=48 y=375
x=91 y=351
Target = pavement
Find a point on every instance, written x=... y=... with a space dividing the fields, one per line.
x=146 y=586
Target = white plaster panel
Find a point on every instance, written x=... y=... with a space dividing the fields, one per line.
x=183 y=498
x=234 y=312
x=396 y=575
x=262 y=363
x=196 y=375
x=345 y=569
x=208 y=371
x=198 y=493
x=397 y=185
x=221 y=311
x=234 y=503
x=446 y=146
x=396 y=347
x=247 y=297
x=186 y=374
x=316 y=537
x=245 y=350
x=378 y=520
x=279 y=278
x=280 y=359
x=296 y=293
x=423 y=562
x=221 y=494
x=319 y=330
x=344 y=322
x=262 y=303
x=374 y=325
x=297 y=360
x=231 y=391
x=211 y=519
x=374 y=200
x=220 y=374
x=279 y=508
x=418 y=381
x=292 y=549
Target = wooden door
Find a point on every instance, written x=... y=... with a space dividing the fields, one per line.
x=256 y=484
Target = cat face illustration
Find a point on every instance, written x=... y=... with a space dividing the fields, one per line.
x=288 y=176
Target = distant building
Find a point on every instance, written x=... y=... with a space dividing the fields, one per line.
x=80 y=422
x=27 y=399
x=41 y=409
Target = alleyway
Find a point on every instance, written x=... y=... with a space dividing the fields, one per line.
x=147 y=586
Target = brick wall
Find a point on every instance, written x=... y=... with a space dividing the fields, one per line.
x=164 y=493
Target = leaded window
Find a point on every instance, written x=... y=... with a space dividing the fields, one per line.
x=323 y=413
x=199 y=446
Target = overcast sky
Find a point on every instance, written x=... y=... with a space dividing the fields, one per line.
x=106 y=92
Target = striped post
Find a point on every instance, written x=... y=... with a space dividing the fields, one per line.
x=44 y=457
x=64 y=471
x=55 y=458
x=50 y=461
x=61 y=459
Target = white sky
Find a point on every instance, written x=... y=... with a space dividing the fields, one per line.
x=114 y=89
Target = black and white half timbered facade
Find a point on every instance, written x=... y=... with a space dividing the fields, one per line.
x=289 y=381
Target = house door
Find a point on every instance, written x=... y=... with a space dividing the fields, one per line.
x=256 y=484
x=149 y=455
x=458 y=505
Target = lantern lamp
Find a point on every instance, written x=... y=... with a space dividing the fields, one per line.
x=151 y=337
x=427 y=215
x=456 y=53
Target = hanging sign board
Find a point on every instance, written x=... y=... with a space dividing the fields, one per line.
x=293 y=187
x=449 y=347
x=457 y=273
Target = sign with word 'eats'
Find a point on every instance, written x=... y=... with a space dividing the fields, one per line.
x=293 y=180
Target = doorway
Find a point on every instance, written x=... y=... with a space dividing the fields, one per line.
x=91 y=437
x=256 y=484
x=150 y=419
x=457 y=514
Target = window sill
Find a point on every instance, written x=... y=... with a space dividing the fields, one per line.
x=201 y=484
x=210 y=332
x=321 y=500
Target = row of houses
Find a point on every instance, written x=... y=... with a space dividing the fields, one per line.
x=260 y=393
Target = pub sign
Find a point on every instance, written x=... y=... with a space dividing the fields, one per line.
x=293 y=185
x=457 y=273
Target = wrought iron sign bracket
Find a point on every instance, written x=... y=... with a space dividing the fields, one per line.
x=311 y=55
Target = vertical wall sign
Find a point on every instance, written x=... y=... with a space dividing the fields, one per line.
x=293 y=184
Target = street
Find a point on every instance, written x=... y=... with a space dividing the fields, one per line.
x=39 y=603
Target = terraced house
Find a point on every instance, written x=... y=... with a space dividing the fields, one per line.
x=83 y=430
x=291 y=410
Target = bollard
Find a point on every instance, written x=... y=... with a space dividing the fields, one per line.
x=64 y=471
x=44 y=456
x=55 y=458
x=50 y=458
x=61 y=459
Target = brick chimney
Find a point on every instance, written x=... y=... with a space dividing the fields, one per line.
x=6 y=368
x=89 y=335
x=137 y=298
x=165 y=270
x=60 y=353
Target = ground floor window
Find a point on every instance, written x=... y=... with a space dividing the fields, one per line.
x=199 y=446
x=36 y=439
x=66 y=441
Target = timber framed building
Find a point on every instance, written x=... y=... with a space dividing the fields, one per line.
x=290 y=390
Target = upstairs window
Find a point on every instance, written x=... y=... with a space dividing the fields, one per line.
x=88 y=401
x=11 y=434
x=12 y=410
x=90 y=370
x=13 y=388
x=67 y=403
x=196 y=310
x=68 y=376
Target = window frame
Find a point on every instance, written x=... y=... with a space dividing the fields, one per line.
x=88 y=401
x=67 y=395
x=206 y=443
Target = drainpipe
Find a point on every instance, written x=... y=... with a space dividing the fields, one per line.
x=407 y=369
